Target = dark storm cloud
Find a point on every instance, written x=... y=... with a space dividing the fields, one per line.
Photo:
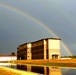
x=58 y=15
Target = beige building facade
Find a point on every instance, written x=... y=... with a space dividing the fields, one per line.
x=48 y=48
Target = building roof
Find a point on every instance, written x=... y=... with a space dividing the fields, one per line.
x=53 y=38
x=47 y=39
x=25 y=44
x=8 y=56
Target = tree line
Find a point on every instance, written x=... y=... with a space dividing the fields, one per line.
x=68 y=56
x=12 y=54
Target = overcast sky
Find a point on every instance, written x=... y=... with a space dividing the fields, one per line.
x=21 y=21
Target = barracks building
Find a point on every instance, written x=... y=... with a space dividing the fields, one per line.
x=48 y=48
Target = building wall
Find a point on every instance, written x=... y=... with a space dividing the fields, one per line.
x=29 y=51
x=8 y=58
x=53 y=44
x=53 y=48
x=38 y=50
x=22 y=52
x=45 y=49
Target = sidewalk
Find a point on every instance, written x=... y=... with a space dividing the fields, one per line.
x=9 y=71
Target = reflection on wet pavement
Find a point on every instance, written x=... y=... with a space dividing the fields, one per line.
x=41 y=70
x=44 y=70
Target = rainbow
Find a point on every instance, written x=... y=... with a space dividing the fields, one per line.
x=37 y=21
